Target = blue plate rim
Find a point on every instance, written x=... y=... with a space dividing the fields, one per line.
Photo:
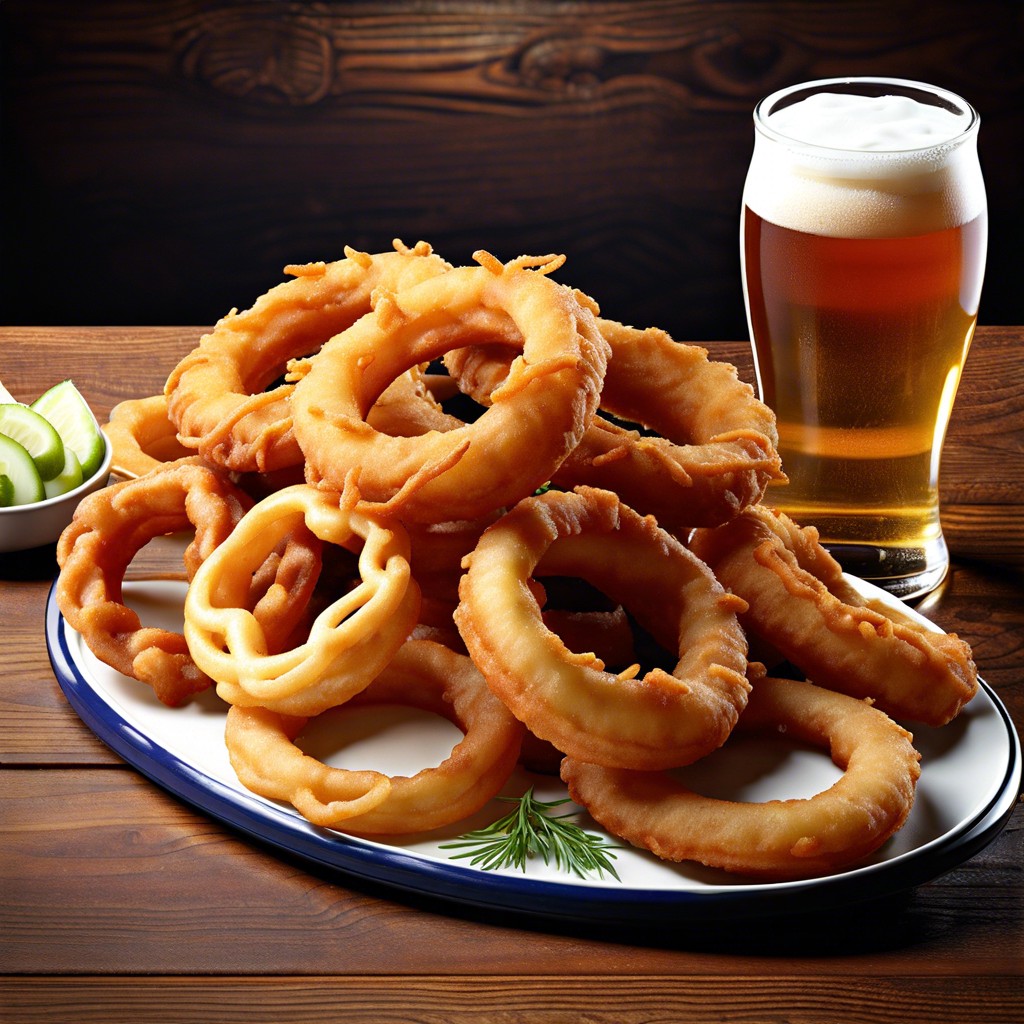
x=408 y=872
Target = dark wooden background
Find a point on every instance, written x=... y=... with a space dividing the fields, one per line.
x=162 y=161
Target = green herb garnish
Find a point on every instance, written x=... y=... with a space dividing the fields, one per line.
x=530 y=831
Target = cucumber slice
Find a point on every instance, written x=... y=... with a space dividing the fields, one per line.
x=35 y=434
x=70 y=415
x=6 y=491
x=69 y=477
x=16 y=464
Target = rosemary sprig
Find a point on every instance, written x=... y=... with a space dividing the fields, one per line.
x=530 y=831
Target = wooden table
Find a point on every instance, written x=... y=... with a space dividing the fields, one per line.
x=120 y=903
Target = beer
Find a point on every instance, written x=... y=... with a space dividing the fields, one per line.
x=863 y=253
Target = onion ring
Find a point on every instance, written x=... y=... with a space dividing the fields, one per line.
x=718 y=449
x=142 y=436
x=349 y=642
x=609 y=635
x=424 y=675
x=799 y=602
x=108 y=529
x=544 y=406
x=144 y=439
x=215 y=394
x=569 y=699
x=281 y=589
x=437 y=550
x=776 y=840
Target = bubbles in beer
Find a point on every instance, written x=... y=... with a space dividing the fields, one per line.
x=863 y=249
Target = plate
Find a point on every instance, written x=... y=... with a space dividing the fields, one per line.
x=970 y=780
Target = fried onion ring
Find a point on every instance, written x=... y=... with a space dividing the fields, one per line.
x=216 y=395
x=569 y=699
x=543 y=407
x=349 y=642
x=799 y=601
x=717 y=451
x=142 y=436
x=776 y=840
x=108 y=529
x=422 y=674
x=144 y=439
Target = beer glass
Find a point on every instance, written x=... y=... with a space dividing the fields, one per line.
x=863 y=243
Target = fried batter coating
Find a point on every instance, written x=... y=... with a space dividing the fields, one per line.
x=714 y=450
x=799 y=602
x=216 y=395
x=569 y=699
x=348 y=642
x=108 y=529
x=422 y=674
x=142 y=436
x=542 y=409
x=775 y=840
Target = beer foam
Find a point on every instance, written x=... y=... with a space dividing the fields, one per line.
x=865 y=166
x=867 y=123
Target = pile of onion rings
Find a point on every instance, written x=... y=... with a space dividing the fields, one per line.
x=465 y=489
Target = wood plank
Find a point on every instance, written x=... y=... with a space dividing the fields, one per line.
x=981 y=459
x=503 y=1000
x=179 y=154
x=107 y=854
x=990 y=535
x=133 y=361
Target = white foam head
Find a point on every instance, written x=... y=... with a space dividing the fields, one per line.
x=854 y=165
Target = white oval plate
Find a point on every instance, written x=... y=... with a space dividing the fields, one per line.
x=970 y=780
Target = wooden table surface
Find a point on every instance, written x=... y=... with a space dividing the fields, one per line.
x=121 y=903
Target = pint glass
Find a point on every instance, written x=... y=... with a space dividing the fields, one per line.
x=863 y=242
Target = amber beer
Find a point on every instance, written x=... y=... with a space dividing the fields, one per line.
x=864 y=233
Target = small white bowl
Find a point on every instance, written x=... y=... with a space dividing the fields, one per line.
x=31 y=526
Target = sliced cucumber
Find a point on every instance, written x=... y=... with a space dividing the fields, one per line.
x=70 y=415
x=16 y=464
x=35 y=434
x=69 y=477
x=6 y=491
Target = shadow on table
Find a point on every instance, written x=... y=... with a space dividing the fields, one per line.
x=25 y=566
x=897 y=921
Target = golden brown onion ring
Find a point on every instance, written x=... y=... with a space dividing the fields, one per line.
x=609 y=635
x=422 y=674
x=349 y=642
x=281 y=589
x=542 y=408
x=108 y=529
x=263 y=753
x=717 y=449
x=801 y=604
x=779 y=839
x=216 y=395
x=655 y=721
x=142 y=436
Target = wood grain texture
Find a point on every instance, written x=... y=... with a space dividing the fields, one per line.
x=741 y=999
x=120 y=901
x=164 y=886
x=983 y=447
x=178 y=155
